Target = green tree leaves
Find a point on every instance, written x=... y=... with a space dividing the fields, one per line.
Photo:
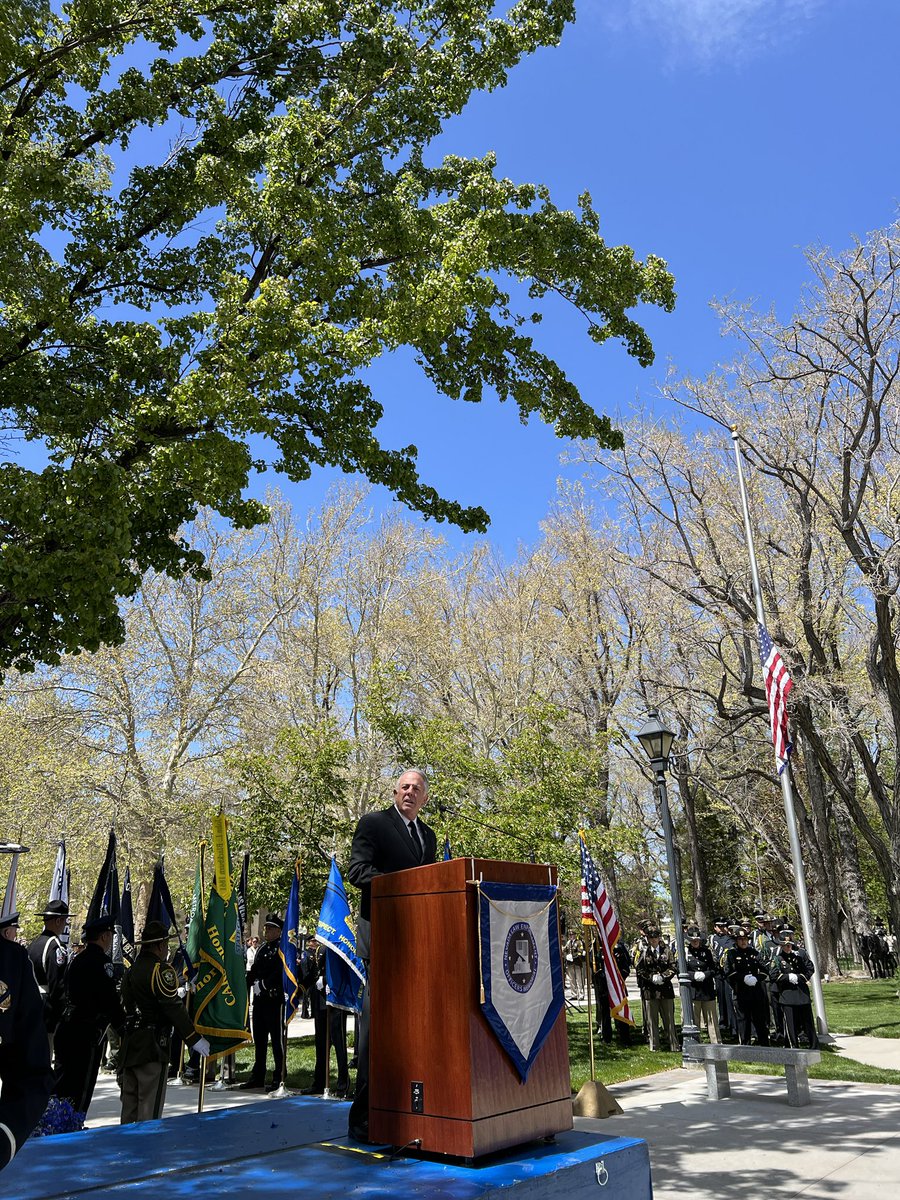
x=216 y=218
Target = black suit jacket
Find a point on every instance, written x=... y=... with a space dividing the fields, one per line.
x=381 y=845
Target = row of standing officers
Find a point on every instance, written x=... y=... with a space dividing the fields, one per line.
x=742 y=986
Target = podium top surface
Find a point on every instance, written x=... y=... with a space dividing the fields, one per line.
x=455 y=874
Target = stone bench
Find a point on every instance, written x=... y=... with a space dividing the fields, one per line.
x=716 y=1058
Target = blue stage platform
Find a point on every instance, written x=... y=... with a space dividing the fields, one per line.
x=296 y=1147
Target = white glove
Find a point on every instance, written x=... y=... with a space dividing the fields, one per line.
x=657 y=979
x=793 y=978
x=257 y=988
x=320 y=984
x=202 y=1047
x=750 y=980
x=699 y=976
x=182 y=992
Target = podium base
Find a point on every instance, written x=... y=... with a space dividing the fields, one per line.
x=595 y=1101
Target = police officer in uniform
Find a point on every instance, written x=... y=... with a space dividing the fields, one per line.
x=701 y=967
x=790 y=972
x=49 y=959
x=655 y=968
x=91 y=1006
x=720 y=942
x=330 y=1025
x=153 y=1007
x=746 y=972
x=9 y=927
x=25 y=1075
x=267 y=985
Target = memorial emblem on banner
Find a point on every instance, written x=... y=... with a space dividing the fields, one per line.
x=521 y=966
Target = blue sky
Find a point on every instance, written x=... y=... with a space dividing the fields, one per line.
x=725 y=136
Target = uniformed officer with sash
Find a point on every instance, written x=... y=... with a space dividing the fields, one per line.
x=49 y=958
x=153 y=1008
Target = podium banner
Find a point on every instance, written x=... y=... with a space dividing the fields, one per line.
x=521 y=966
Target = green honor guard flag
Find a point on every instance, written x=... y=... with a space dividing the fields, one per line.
x=220 y=998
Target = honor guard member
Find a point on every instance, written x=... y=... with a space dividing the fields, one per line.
x=745 y=973
x=153 y=1008
x=9 y=927
x=91 y=1006
x=790 y=972
x=655 y=968
x=330 y=1025
x=49 y=959
x=25 y=1075
x=720 y=942
x=267 y=985
x=701 y=967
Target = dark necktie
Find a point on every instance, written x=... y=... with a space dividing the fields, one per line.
x=417 y=845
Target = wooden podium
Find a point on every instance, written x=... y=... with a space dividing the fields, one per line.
x=437 y=1071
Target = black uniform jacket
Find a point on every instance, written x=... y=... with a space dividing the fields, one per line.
x=740 y=961
x=92 y=998
x=267 y=971
x=25 y=1075
x=49 y=961
x=381 y=845
x=782 y=966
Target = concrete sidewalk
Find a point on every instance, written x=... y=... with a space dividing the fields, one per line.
x=843 y=1146
x=873 y=1051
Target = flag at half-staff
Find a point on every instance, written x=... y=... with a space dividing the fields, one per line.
x=597 y=909
x=220 y=1007
x=289 y=949
x=778 y=687
x=345 y=974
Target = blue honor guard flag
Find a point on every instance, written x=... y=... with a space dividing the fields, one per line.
x=521 y=966
x=345 y=974
x=289 y=947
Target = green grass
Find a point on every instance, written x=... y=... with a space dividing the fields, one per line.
x=301 y=1063
x=863 y=1007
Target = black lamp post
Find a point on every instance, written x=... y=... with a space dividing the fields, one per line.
x=656 y=741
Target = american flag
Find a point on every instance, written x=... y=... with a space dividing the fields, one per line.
x=778 y=687
x=596 y=909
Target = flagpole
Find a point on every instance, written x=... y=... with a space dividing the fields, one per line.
x=201 y=1093
x=784 y=776
x=588 y=987
x=283 y=1090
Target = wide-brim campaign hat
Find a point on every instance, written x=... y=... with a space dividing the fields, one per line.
x=274 y=920
x=56 y=908
x=154 y=931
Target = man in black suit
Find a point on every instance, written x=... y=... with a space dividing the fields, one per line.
x=384 y=842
